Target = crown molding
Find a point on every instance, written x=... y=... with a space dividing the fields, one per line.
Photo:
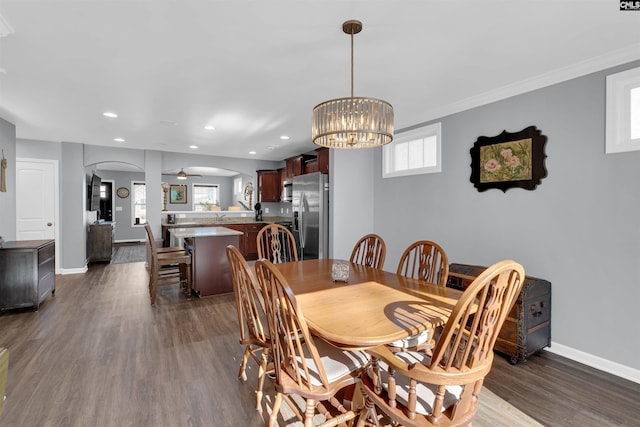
x=611 y=59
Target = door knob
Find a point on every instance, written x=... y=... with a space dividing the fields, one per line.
x=49 y=224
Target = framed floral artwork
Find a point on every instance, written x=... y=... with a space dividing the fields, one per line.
x=509 y=160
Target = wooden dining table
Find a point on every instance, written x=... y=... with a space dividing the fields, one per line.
x=373 y=307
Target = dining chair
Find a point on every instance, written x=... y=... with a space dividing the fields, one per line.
x=370 y=250
x=426 y=261
x=442 y=389
x=304 y=365
x=251 y=318
x=277 y=244
x=167 y=268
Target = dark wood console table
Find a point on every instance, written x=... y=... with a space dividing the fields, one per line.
x=27 y=273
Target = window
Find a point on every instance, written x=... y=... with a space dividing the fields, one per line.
x=205 y=196
x=623 y=111
x=413 y=152
x=139 y=201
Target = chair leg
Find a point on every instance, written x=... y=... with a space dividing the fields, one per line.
x=243 y=364
x=309 y=412
x=262 y=372
x=153 y=286
x=276 y=409
x=188 y=277
x=368 y=412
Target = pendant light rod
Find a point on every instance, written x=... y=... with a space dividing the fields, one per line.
x=352 y=27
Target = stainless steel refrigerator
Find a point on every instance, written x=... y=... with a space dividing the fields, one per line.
x=311 y=215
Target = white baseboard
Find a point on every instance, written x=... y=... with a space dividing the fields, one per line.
x=596 y=362
x=74 y=270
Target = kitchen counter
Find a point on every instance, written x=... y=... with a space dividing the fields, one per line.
x=199 y=222
x=203 y=232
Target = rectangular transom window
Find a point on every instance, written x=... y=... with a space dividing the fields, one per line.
x=205 y=196
x=623 y=111
x=413 y=152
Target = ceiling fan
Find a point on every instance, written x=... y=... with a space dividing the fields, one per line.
x=183 y=175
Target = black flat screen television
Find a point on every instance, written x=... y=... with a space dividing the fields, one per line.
x=94 y=193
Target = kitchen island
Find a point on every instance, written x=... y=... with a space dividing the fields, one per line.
x=247 y=225
x=211 y=274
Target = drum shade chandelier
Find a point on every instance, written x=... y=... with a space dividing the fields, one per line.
x=353 y=122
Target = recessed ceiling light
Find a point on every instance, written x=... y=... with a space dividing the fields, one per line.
x=110 y=114
x=252 y=152
x=209 y=127
x=194 y=147
x=284 y=137
x=118 y=139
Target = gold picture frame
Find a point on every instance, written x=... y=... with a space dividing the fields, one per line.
x=509 y=160
x=178 y=194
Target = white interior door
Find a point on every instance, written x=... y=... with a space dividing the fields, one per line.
x=35 y=200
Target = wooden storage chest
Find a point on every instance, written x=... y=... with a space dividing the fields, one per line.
x=527 y=329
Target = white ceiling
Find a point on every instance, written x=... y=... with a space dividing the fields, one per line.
x=256 y=69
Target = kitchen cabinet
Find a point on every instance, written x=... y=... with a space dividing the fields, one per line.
x=241 y=242
x=281 y=179
x=323 y=160
x=268 y=186
x=311 y=166
x=27 y=273
x=100 y=242
x=251 y=240
x=294 y=166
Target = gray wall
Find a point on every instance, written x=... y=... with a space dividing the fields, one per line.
x=125 y=231
x=73 y=214
x=8 y=198
x=351 y=199
x=578 y=229
x=225 y=189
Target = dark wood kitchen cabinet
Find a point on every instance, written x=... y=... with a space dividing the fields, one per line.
x=27 y=273
x=242 y=239
x=323 y=160
x=251 y=240
x=294 y=166
x=268 y=186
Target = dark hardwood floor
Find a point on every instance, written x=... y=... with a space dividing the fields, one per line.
x=97 y=354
